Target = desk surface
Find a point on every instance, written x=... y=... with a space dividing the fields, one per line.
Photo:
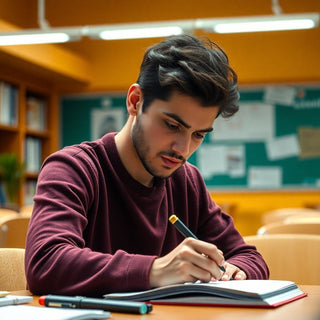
x=307 y=308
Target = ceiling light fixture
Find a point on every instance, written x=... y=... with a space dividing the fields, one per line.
x=260 y=23
x=33 y=38
x=138 y=33
x=36 y=36
x=46 y=34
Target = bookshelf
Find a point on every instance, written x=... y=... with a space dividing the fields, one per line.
x=28 y=127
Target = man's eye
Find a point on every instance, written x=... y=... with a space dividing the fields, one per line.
x=199 y=135
x=171 y=125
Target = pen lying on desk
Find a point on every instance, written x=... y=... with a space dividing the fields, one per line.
x=94 y=303
x=184 y=230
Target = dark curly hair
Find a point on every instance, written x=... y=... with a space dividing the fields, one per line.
x=192 y=67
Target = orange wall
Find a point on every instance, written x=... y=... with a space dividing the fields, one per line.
x=288 y=57
x=258 y=58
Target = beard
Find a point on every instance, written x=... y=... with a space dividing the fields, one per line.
x=142 y=149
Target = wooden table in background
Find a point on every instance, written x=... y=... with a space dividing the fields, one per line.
x=307 y=308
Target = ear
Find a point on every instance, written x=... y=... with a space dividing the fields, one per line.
x=134 y=99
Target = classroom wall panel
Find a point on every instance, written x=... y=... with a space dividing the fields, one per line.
x=272 y=143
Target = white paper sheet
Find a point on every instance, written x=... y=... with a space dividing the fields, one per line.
x=212 y=160
x=222 y=159
x=235 y=161
x=280 y=95
x=283 y=147
x=265 y=177
x=253 y=122
x=43 y=313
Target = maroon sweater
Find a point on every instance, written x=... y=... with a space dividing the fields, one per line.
x=95 y=229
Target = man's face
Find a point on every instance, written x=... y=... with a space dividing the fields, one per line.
x=168 y=132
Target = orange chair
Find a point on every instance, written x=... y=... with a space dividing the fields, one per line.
x=13 y=231
x=26 y=210
x=12 y=274
x=294 y=257
x=303 y=219
x=4 y=212
x=284 y=213
x=293 y=227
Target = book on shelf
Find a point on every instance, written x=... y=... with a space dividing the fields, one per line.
x=33 y=154
x=29 y=191
x=8 y=104
x=36 y=109
x=245 y=293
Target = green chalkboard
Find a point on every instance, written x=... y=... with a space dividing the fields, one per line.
x=273 y=142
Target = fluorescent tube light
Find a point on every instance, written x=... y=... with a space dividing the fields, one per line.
x=137 y=33
x=162 y=28
x=258 y=24
x=35 y=38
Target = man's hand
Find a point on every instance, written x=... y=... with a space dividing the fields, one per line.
x=190 y=261
x=233 y=272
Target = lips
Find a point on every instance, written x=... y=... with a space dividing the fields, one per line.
x=170 y=162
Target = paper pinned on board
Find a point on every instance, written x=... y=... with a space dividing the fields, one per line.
x=283 y=147
x=212 y=160
x=222 y=160
x=253 y=122
x=309 y=142
x=265 y=177
x=280 y=95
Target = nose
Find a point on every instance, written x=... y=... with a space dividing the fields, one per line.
x=181 y=145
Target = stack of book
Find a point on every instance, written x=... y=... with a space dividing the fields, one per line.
x=8 y=104
x=36 y=113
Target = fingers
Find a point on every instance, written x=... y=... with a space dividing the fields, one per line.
x=207 y=249
x=240 y=275
x=192 y=260
x=191 y=272
x=233 y=272
x=204 y=256
x=198 y=265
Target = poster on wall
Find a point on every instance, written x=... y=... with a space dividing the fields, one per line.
x=106 y=120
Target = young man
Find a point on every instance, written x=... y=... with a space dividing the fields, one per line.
x=100 y=219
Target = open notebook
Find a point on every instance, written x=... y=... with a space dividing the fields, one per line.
x=248 y=293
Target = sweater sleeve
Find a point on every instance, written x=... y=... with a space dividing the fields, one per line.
x=58 y=260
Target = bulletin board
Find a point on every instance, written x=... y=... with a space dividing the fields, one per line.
x=273 y=142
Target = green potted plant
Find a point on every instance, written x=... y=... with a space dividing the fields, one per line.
x=11 y=174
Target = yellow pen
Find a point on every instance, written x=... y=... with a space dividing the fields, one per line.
x=184 y=230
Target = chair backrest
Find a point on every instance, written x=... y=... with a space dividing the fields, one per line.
x=294 y=227
x=12 y=272
x=4 y=212
x=294 y=257
x=303 y=219
x=13 y=231
x=283 y=213
x=26 y=210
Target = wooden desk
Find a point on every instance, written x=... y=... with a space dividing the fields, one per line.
x=307 y=308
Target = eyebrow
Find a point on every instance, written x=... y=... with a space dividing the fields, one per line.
x=184 y=124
